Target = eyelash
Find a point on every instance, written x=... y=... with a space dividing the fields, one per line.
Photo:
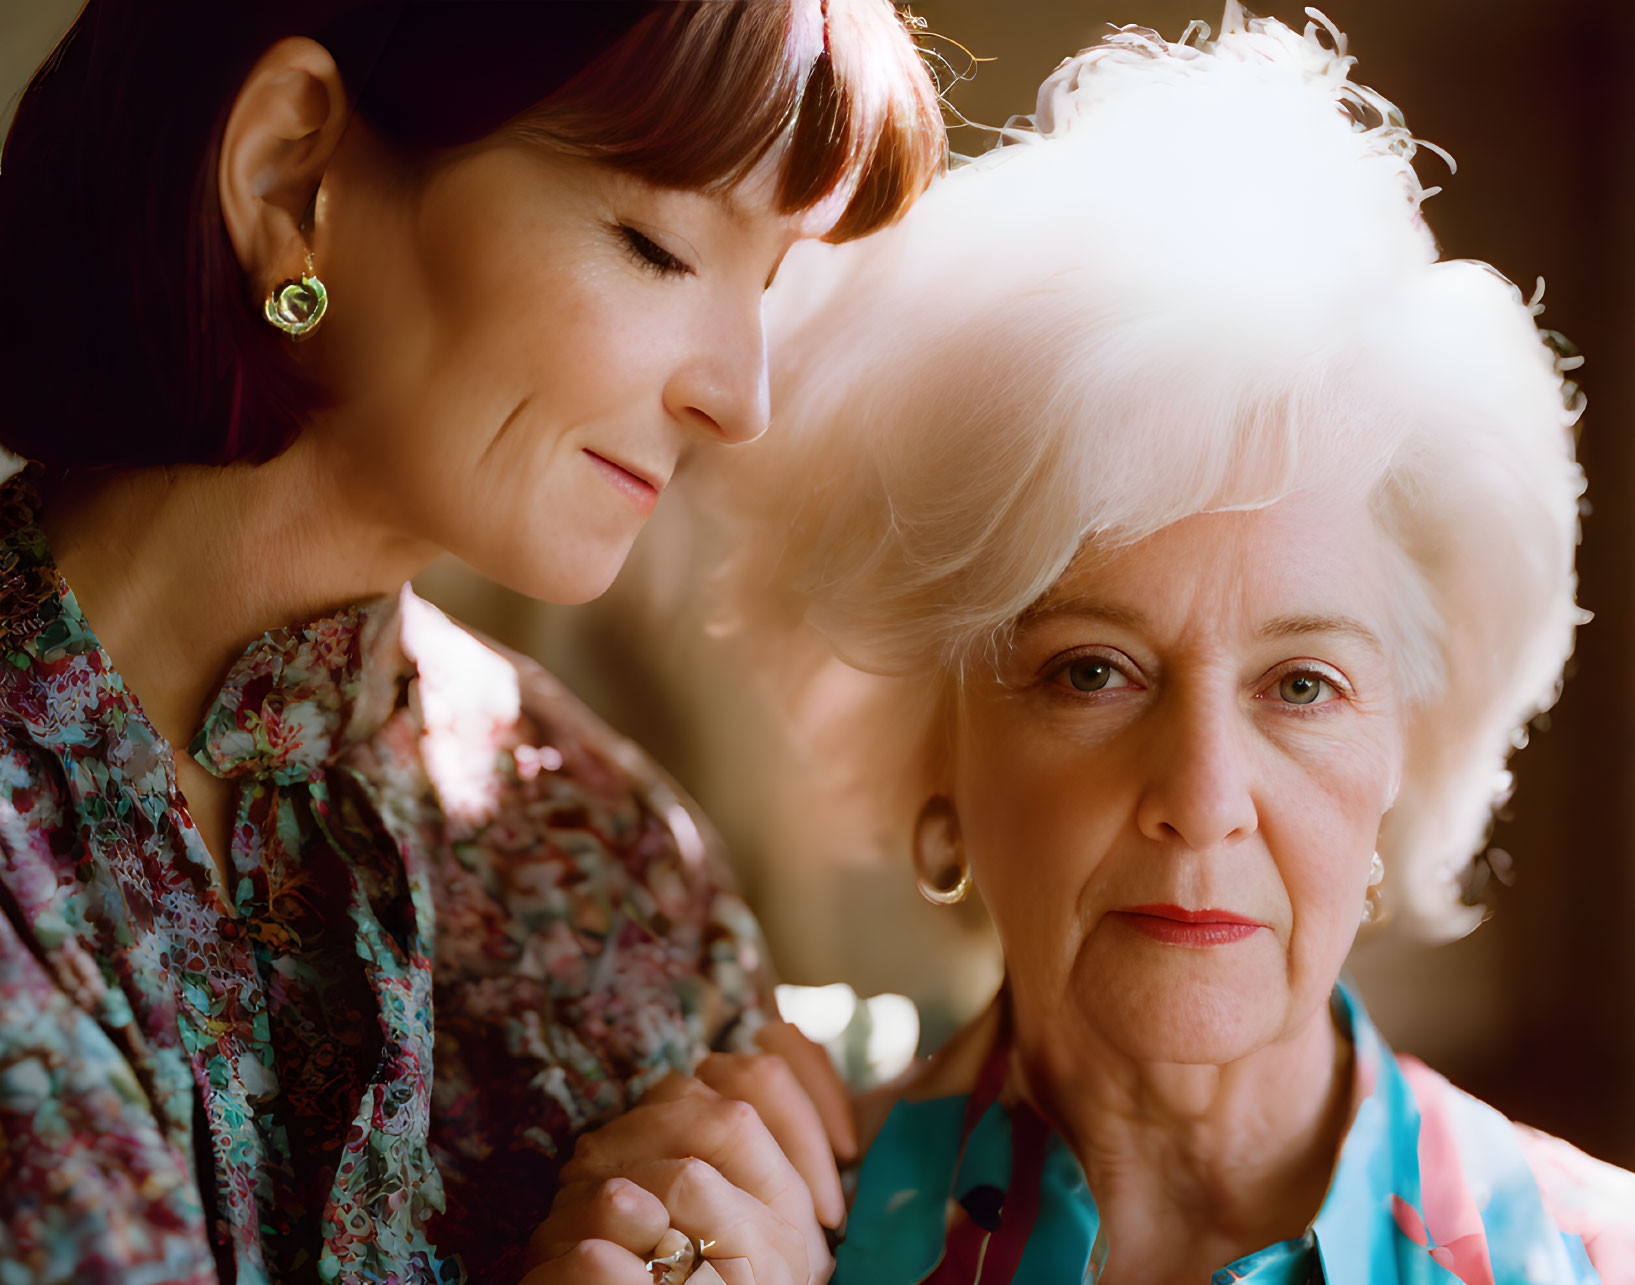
x=649 y=254
x=1059 y=665
x=1299 y=669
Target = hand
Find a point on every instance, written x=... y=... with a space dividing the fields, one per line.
x=742 y=1156
x=817 y=1077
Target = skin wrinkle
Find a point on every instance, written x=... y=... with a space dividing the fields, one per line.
x=1284 y=627
x=510 y=419
x=487 y=328
x=1204 y=1090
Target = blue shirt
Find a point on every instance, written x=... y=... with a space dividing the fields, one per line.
x=1431 y=1187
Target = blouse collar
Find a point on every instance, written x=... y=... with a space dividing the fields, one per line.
x=294 y=702
x=299 y=698
x=1374 y=1189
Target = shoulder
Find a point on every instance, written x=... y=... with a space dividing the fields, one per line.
x=566 y=839
x=1587 y=1198
x=1520 y=1174
x=494 y=717
x=588 y=937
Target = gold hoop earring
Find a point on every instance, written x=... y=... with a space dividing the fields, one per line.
x=937 y=852
x=297 y=307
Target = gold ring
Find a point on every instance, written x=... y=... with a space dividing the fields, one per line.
x=676 y=1257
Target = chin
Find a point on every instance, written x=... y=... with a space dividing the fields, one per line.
x=552 y=586
x=1184 y=1015
x=574 y=575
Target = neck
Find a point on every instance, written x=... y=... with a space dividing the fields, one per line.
x=179 y=569
x=1197 y=1165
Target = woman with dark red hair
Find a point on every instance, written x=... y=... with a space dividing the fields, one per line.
x=309 y=293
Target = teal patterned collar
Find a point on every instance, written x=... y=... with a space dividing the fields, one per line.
x=1375 y=1224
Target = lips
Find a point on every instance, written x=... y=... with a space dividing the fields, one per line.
x=638 y=487
x=1179 y=926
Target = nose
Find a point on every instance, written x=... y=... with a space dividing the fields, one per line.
x=722 y=388
x=1199 y=788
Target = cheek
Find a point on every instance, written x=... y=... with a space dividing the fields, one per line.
x=520 y=292
x=488 y=339
x=1037 y=814
x=1320 y=819
x=529 y=315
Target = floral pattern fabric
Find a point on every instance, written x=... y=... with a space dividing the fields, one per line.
x=246 y=1083
x=1431 y=1187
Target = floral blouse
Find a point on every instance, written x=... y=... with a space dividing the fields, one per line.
x=202 y=1083
x=1432 y=1187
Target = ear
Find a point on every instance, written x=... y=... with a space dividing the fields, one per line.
x=282 y=132
x=937 y=843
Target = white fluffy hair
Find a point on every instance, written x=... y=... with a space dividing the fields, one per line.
x=1196 y=279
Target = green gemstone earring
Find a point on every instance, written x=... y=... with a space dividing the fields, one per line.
x=297 y=307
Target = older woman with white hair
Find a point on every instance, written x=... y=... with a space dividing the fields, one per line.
x=1214 y=538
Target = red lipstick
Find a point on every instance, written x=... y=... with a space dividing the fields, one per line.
x=642 y=492
x=1177 y=926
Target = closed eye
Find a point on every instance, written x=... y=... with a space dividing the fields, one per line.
x=650 y=254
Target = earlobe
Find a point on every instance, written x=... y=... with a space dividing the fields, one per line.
x=280 y=136
x=940 y=870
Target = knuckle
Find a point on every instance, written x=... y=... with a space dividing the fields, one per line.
x=591 y=1256
x=691 y=1177
x=739 y=1117
x=586 y=1151
x=695 y=1171
x=618 y=1195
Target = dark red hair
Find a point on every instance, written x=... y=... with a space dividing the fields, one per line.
x=131 y=340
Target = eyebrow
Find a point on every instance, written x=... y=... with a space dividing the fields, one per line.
x=1294 y=626
x=1041 y=612
x=1279 y=627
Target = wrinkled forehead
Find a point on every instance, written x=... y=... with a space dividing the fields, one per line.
x=1314 y=555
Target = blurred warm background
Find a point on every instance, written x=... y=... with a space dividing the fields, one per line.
x=1536 y=1010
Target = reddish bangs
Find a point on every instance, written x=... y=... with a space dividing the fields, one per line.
x=698 y=93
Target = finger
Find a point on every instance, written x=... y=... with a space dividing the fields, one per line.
x=729 y=1222
x=591 y=1262
x=768 y=1084
x=727 y=1133
x=675 y=1087
x=817 y=1075
x=617 y=1211
x=730 y=1271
